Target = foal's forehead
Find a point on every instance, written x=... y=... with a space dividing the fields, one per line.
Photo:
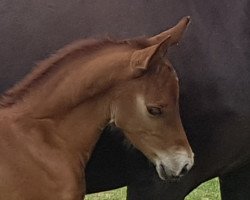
x=164 y=73
x=161 y=85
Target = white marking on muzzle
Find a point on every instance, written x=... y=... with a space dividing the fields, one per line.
x=173 y=163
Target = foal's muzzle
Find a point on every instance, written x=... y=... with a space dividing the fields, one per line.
x=172 y=167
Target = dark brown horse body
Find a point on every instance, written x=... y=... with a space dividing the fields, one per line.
x=213 y=69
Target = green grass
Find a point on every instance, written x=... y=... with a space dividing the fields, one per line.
x=118 y=194
x=206 y=191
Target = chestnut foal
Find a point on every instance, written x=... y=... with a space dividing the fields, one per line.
x=52 y=119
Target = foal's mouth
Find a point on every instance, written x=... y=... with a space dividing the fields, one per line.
x=165 y=176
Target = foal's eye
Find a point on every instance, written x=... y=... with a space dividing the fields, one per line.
x=154 y=110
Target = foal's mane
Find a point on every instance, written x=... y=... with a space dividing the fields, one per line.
x=50 y=65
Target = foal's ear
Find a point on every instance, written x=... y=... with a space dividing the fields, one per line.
x=175 y=32
x=141 y=59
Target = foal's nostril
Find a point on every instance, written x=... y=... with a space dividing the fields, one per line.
x=184 y=170
x=164 y=174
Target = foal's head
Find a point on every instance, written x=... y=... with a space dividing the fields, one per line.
x=147 y=109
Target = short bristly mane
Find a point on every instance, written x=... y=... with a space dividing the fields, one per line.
x=48 y=66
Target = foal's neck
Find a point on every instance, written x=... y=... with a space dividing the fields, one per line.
x=79 y=79
x=78 y=98
x=81 y=127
